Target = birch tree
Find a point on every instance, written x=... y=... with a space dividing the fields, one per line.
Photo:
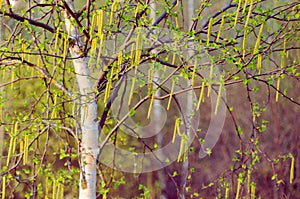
x=81 y=80
x=88 y=112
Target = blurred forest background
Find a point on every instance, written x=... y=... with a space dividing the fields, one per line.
x=257 y=154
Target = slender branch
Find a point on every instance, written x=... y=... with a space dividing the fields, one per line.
x=164 y=14
x=30 y=21
x=217 y=14
x=43 y=72
x=69 y=10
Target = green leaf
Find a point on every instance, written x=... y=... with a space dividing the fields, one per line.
x=132 y=112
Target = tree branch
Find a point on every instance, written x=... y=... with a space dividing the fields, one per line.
x=31 y=21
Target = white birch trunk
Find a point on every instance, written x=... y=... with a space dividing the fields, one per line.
x=88 y=121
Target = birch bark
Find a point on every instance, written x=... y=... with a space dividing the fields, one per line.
x=88 y=112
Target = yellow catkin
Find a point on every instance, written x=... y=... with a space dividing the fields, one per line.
x=0 y=4
x=176 y=20
x=237 y=13
x=219 y=98
x=201 y=97
x=245 y=29
x=209 y=30
x=93 y=50
x=112 y=72
x=210 y=79
x=194 y=72
x=26 y=145
x=277 y=89
x=92 y=25
x=54 y=189
x=138 y=49
x=221 y=28
x=171 y=93
x=56 y=38
x=137 y=9
x=46 y=188
x=57 y=191
x=15 y=129
x=244 y=44
x=282 y=62
x=94 y=45
x=249 y=181
x=100 y=49
x=249 y=13
x=14 y=145
x=132 y=58
x=284 y=46
x=245 y=5
x=178 y=126
x=183 y=145
x=227 y=192
x=238 y=190
x=173 y=58
x=12 y=142
x=62 y=190
x=100 y=22
x=175 y=130
x=253 y=187
x=179 y=157
x=101 y=43
x=120 y=60
x=10 y=148
x=150 y=106
x=292 y=170
x=285 y=51
x=109 y=85
x=131 y=91
x=258 y=39
x=3 y=187
x=259 y=60
x=113 y=10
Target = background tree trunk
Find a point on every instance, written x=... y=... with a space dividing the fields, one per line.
x=189 y=105
x=157 y=114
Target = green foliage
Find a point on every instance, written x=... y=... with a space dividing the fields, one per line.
x=255 y=46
